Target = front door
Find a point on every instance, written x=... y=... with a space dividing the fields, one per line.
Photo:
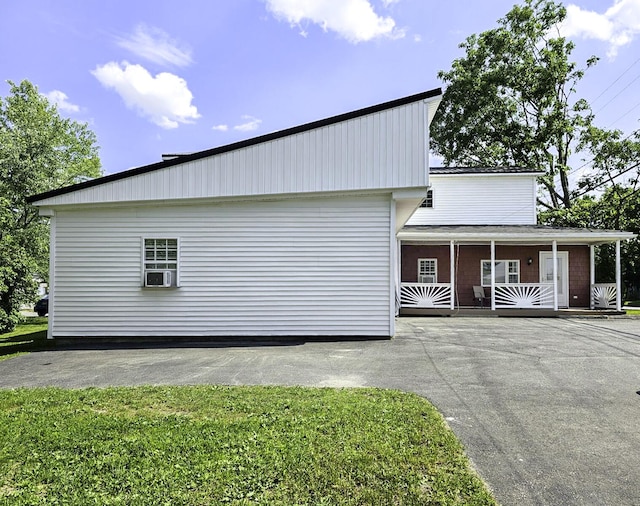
x=546 y=274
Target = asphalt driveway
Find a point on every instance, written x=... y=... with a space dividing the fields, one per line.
x=548 y=409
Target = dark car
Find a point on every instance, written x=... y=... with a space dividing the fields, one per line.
x=42 y=306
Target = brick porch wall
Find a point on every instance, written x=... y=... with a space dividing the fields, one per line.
x=469 y=264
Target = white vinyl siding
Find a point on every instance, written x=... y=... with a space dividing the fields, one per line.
x=481 y=199
x=281 y=267
x=381 y=150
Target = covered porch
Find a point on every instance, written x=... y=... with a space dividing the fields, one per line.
x=505 y=270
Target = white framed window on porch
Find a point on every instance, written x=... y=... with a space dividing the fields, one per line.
x=427 y=270
x=509 y=292
x=427 y=292
x=507 y=272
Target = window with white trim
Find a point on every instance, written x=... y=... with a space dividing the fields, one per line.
x=507 y=271
x=427 y=270
x=160 y=262
x=428 y=201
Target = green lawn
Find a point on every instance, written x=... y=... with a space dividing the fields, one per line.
x=633 y=303
x=29 y=336
x=229 y=445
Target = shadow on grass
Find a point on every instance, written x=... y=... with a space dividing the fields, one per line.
x=24 y=343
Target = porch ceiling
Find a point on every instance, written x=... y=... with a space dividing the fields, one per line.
x=520 y=234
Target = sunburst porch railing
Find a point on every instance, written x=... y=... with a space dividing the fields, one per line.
x=425 y=295
x=524 y=295
x=603 y=295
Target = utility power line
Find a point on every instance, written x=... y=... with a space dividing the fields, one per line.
x=594 y=187
x=618 y=94
x=625 y=114
x=615 y=81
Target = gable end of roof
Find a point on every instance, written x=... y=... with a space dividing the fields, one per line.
x=179 y=159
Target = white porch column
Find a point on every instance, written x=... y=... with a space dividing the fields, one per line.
x=493 y=275
x=592 y=273
x=618 y=278
x=452 y=273
x=554 y=248
x=398 y=275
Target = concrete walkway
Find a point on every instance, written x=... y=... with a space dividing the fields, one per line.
x=548 y=409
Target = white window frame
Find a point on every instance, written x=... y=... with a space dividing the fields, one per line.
x=434 y=263
x=427 y=203
x=507 y=272
x=159 y=264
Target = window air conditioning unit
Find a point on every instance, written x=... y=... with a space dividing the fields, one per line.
x=157 y=278
x=427 y=278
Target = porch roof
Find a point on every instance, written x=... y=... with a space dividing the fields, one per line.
x=520 y=234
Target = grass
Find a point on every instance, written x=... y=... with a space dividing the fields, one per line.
x=633 y=303
x=229 y=445
x=28 y=336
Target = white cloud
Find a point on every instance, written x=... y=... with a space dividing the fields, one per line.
x=165 y=99
x=220 y=128
x=157 y=46
x=355 y=20
x=618 y=25
x=250 y=124
x=388 y=3
x=60 y=99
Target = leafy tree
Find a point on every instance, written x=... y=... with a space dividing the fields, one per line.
x=510 y=101
x=39 y=151
x=615 y=203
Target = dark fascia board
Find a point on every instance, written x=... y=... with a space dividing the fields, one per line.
x=237 y=145
x=453 y=170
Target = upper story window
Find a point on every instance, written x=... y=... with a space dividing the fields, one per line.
x=427 y=270
x=507 y=271
x=160 y=262
x=428 y=201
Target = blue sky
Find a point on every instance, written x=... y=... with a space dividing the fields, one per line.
x=181 y=76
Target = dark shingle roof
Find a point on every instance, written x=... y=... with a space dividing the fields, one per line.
x=512 y=233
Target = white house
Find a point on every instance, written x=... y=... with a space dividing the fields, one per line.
x=288 y=234
x=475 y=241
